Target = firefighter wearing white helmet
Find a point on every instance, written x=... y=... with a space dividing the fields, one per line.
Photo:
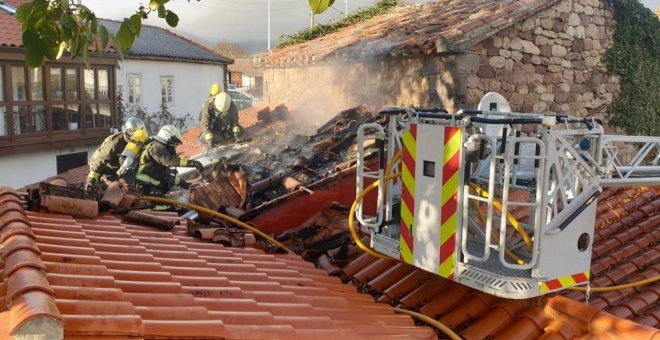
x=115 y=157
x=155 y=173
x=219 y=120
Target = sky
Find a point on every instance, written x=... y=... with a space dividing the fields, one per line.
x=211 y=21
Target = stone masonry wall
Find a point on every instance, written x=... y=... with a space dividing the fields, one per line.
x=549 y=63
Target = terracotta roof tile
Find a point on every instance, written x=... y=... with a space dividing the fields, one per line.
x=411 y=29
x=626 y=249
x=103 y=277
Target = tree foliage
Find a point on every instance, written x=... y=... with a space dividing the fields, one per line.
x=51 y=27
x=317 y=31
x=230 y=49
x=635 y=58
x=320 y=6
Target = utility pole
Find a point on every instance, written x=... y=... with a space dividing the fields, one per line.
x=269 y=25
x=345 y=8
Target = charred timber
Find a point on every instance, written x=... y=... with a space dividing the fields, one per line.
x=151 y=220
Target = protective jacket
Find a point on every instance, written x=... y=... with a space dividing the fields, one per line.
x=222 y=127
x=105 y=160
x=155 y=163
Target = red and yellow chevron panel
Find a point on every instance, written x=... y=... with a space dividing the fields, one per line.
x=408 y=193
x=449 y=204
x=564 y=282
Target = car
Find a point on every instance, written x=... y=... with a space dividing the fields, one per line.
x=241 y=99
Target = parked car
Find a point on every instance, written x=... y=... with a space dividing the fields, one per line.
x=241 y=99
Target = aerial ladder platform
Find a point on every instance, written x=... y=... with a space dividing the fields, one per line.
x=499 y=201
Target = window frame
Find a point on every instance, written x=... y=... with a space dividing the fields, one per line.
x=138 y=103
x=51 y=138
x=163 y=96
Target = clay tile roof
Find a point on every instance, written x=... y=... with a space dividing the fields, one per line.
x=626 y=249
x=106 y=278
x=10 y=28
x=442 y=26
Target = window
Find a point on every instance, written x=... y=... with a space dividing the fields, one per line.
x=167 y=96
x=134 y=91
x=56 y=92
x=104 y=84
x=70 y=161
x=3 y=110
x=90 y=81
x=18 y=83
x=54 y=100
x=72 y=83
x=36 y=84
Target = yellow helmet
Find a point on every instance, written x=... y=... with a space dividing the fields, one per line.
x=215 y=89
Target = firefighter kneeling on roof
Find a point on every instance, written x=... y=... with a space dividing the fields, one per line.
x=218 y=119
x=115 y=158
x=159 y=156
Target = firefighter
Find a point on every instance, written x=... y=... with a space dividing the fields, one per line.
x=219 y=120
x=114 y=158
x=159 y=156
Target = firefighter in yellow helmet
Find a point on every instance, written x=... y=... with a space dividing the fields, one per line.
x=218 y=119
x=115 y=157
x=159 y=156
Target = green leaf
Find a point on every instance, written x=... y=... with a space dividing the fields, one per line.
x=31 y=39
x=162 y=12
x=61 y=49
x=171 y=18
x=136 y=24
x=103 y=34
x=94 y=24
x=24 y=11
x=125 y=36
x=69 y=22
x=320 y=6
x=33 y=57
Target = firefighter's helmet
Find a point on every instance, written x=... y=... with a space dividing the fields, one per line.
x=169 y=134
x=215 y=89
x=132 y=125
x=222 y=102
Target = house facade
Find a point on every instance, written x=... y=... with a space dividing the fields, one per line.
x=52 y=118
x=543 y=56
x=163 y=68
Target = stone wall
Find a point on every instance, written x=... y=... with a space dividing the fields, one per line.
x=549 y=63
x=332 y=86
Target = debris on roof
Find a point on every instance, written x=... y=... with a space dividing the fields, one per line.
x=284 y=156
x=626 y=249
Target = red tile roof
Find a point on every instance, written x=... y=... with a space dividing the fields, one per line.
x=104 y=277
x=414 y=29
x=10 y=28
x=626 y=249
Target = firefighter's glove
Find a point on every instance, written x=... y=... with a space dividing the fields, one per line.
x=197 y=165
x=208 y=139
x=183 y=184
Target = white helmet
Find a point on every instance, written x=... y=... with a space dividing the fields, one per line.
x=132 y=125
x=222 y=102
x=169 y=134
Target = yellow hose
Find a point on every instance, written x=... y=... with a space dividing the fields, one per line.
x=619 y=287
x=221 y=216
x=508 y=252
x=435 y=323
x=351 y=218
x=509 y=217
